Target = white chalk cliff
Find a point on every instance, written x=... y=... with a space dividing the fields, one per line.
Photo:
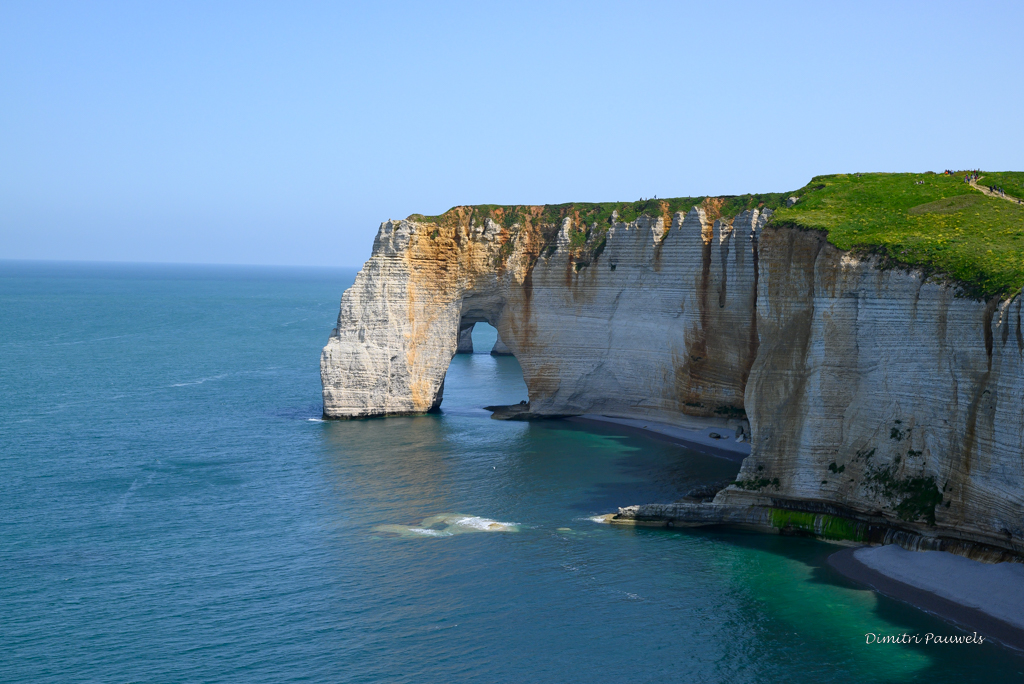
x=872 y=393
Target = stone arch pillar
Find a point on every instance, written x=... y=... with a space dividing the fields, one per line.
x=500 y=348
x=465 y=344
x=399 y=324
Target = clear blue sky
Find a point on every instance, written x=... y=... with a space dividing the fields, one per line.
x=284 y=133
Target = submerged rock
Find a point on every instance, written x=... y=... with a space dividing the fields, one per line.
x=500 y=348
x=447 y=525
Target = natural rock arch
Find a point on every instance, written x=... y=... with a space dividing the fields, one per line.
x=659 y=322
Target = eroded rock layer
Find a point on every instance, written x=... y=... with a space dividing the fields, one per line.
x=884 y=392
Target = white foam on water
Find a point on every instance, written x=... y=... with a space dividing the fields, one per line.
x=485 y=524
x=447 y=525
x=200 y=381
x=315 y=420
x=119 y=507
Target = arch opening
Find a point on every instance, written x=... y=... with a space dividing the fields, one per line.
x=480 y=337
x=485 y=374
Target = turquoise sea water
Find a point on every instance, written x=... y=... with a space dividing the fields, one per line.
x=172 y=509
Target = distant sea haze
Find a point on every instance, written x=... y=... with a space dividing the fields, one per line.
x=174 y=509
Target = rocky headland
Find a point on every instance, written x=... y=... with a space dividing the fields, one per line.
x=879 y=388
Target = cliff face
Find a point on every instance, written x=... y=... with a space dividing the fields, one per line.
x=399 y=323
x=883 y=392
x=873 y=393
x=659 y=326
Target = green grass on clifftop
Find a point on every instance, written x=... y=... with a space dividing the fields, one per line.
x=601 y=212
x=1012 y=182
x=934 y=222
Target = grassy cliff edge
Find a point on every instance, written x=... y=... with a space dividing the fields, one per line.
x=933 y=222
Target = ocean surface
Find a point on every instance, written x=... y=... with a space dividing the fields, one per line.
x=172 y=509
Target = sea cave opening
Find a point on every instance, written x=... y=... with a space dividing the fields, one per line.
x=483 y=372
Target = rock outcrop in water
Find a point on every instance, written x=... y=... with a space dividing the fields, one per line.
x=465 y=343
x=499 y=348
x=872 y=395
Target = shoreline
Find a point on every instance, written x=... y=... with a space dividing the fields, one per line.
x=888 y=573
x=697 y=439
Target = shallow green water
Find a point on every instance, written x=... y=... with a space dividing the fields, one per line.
x=172 y=509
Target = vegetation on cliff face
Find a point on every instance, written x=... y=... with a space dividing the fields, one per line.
x=589 y=213
x=913 y=498
x=590 y=220
x=929 y=221
x=818 y=525
x=934 y=222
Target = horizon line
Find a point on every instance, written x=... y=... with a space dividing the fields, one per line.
x=120 y=262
